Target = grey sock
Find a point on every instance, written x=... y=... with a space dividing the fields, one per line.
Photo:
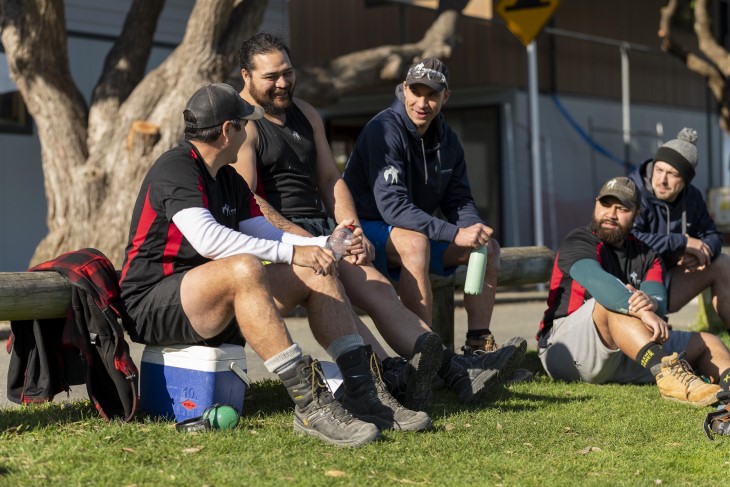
x=284 y=360
x=344 y=344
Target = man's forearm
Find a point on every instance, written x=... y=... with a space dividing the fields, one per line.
x=341 y=206
x=278 y=220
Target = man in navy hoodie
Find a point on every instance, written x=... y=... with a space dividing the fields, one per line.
x=674 y=221
x=406 y=164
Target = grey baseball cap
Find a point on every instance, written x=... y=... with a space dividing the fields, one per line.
x=623 y=189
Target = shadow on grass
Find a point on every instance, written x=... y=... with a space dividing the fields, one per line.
x=20 y=419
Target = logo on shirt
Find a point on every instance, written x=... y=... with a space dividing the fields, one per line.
x=392 y=173
x=228 y=211
x=635 y=281
x=296 y=136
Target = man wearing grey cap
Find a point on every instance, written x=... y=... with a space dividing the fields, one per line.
x=674 y=221
x=604 y=321
x=193 y=274
x=408 y=164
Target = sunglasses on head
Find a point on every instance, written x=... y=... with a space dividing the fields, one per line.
x=420 y=71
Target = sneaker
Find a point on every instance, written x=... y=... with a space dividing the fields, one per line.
x=367 y=397
x=409 y=381
x=677 y=382
x=318 y=414
x=487 y=343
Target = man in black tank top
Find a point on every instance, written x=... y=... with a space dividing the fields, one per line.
x=287 y=161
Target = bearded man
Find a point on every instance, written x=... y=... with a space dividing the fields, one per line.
x=286 y=160
x=605 y=318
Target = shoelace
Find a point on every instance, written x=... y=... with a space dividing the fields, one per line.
x=383 y=394
x=320 y=385
x=682 y=371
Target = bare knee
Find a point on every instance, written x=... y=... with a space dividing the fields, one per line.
x=721 y=267
x=414 y=250
x=246 y=268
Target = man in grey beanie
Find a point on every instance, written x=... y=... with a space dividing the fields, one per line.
x=675 y=222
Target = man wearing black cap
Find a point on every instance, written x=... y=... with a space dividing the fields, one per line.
x=604 y=321
x=406 y=165
x=193 y=274
x=675 y=222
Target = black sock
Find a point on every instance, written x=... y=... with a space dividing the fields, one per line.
x=445 y=363
x=477 y=333
x=724 y=380
x=650 y=355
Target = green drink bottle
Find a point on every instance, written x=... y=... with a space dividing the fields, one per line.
x=475 y=271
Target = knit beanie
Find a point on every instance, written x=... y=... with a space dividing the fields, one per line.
x=681 y=153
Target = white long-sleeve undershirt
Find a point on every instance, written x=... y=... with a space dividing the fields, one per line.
x=256 y=237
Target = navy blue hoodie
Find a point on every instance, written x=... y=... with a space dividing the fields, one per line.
x=663 y=225
x=397 y=176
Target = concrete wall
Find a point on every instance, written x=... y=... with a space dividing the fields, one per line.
x=573 y=167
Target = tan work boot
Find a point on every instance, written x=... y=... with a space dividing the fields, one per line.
x=677 y=382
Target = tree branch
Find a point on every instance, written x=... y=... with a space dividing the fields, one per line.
x=323 y=85
x=124 y=66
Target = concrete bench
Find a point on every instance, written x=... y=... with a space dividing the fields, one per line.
x=40 y=295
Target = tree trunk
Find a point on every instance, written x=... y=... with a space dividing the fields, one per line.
x=94 y=158
x=713 y=64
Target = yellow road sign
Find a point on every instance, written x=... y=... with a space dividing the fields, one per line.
x=526 y=18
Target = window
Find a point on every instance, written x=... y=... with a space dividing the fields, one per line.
x=14 y=117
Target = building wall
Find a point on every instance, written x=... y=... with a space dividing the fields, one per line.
x=579 y=79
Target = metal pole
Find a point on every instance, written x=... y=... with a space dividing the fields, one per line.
x=509 y=131
x=625 y=103
x=535 y=142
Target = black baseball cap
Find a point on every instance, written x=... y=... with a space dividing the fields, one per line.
x=623 y=189
x=217 y=103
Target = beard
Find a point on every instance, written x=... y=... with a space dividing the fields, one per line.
x=267 y=101
x=612 y=237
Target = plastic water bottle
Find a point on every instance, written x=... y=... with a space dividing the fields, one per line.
x=475 y=271
x=339 y=241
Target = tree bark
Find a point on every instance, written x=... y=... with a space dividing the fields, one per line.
x=713 y=64
x=95 y=157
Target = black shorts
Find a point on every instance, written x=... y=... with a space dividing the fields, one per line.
x=159 y=318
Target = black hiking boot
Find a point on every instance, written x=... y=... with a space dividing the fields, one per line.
x=410 y=381
x=487 y=343
x=507 y=372
x=367 y=398
x=472 y=375
x=317 y=413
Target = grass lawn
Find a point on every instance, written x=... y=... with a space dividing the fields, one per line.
x=538 y=433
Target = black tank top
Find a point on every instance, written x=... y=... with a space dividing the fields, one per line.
x=286 y=160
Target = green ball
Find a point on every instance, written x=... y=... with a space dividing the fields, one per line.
x=221 y=417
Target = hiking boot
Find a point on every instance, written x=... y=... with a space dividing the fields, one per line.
x=487 y=343
x=515 y=352
x=473 y=374
x=367 y=398
x=409 y=381
x=317 y=413
x=677 y=382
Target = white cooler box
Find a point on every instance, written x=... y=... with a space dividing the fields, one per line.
x=181 y=381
